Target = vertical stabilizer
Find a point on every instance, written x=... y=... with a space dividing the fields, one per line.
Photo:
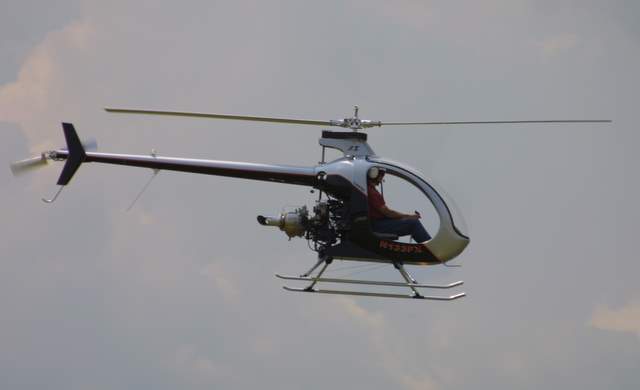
x=76 y=154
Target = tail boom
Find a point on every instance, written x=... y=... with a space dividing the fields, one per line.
x=75 y=155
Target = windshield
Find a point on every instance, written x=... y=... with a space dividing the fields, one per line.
x=403 y=196
x=397 y=177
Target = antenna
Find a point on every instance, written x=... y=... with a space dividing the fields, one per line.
x=154 y=154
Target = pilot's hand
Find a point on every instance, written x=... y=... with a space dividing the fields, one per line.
x=413 y=216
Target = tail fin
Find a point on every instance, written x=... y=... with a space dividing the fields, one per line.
x=76 y=155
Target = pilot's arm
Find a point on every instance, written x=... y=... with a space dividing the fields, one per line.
x=389 y=213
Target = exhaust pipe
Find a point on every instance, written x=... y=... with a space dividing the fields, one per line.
x=293 y=223
x=269 y=221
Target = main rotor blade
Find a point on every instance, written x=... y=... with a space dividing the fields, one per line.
x=498 y=122
x=219 y=116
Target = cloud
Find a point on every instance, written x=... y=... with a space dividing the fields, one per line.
x=418 y=15
x=558 y=44
x=224 y=282
x=33 y=100
x=394 y=361
x=624 y=319
x=419 y=383
x=198 y=368
x=373 y=321
x=153 y=294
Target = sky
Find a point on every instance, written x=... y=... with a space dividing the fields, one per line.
x=179 y=291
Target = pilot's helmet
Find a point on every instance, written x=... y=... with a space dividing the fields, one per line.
x=375 y=172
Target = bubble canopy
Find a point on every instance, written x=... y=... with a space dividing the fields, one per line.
x=436 y=195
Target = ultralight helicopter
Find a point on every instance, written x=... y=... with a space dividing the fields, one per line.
x=338 y=227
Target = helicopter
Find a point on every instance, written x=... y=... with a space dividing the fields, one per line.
x=338 y=227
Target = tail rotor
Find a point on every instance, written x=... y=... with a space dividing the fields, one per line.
x=74 y=154
x=19 y=168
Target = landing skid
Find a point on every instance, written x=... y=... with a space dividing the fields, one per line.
x=371 y=282
x=410 y=282
x=372 y=294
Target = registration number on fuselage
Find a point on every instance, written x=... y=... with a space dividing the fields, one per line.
x=400 y=248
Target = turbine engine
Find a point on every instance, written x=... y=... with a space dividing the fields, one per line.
x=292 y=223
x=324 y=227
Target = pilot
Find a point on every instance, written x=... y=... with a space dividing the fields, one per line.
x=385 y=220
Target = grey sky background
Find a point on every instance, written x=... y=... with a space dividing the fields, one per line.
x=179 y=292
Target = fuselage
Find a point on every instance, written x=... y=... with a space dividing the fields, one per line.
x=344 y=179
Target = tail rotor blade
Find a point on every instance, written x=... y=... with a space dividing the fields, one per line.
x=23 y=166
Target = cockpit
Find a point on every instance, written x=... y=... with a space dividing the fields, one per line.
x=405 y=189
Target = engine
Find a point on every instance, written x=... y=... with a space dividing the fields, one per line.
x=323 y=227
x=292 y=223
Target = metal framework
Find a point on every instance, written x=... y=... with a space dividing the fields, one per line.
x=410 y=282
